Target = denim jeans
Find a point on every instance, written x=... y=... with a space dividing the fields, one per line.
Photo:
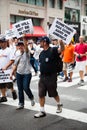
x=37 y=64
x=32 y=61
x=23 y=83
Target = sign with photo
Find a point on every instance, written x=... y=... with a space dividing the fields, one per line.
x=60 y=30
x=23 y=27
x=72 y=15
x=5 y=76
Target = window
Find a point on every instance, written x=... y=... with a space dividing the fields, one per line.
x=19 y=18
x=59 y=4
x=36 y=22
x=51 y=3
x=15 y=19
x=24 y=1
x=40 y=2
x=86 y=9
x=32 y=2
x=12 y=19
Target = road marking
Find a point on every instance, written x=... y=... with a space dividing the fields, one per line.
x=60 y=82
x=83 y=87
x=64 y=84
x=66 y=113
x=72 y=98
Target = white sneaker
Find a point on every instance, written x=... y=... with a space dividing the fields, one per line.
x=20 y=107
x=40 y=114
x=59 y=108
x=81 y=82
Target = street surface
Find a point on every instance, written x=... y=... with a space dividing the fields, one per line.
x=73 y=116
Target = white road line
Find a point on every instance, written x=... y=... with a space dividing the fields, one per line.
x=72 y=98
x=66 y=113
x=66 y=84
x=83 y=87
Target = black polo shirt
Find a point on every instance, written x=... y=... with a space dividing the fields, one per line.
x=47 y=61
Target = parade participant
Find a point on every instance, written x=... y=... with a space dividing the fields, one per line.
x=37 y=52
x=68 y=61
x=48 y=76
x=80 y=52
x=32 y=50
x=23 y=73
x=6 y=60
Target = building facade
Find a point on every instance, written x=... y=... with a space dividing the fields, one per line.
x=72 y=14
x=42 y=12
x=84 y=19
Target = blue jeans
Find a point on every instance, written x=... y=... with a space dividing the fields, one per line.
x=37 y=64
x=32 y=61
x=23 y=83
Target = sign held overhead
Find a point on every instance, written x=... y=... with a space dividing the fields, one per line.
x=23 y=27
x=62 y=31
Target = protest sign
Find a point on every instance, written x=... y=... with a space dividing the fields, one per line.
x=23 y=27
x=60 y=30
x=5 y=76
x=10 y=34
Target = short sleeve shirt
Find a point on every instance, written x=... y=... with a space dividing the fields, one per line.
x=81 y=49
x=47 y=61
x=23 y=67
x=5 y=56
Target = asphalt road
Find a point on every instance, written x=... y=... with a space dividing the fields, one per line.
x=73 y=116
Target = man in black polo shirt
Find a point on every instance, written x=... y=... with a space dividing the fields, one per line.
x=48 y=77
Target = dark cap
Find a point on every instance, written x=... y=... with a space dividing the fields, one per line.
x=20 y=43
x=46 y=39
x=3 y=38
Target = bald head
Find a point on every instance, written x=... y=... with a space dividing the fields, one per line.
x=81 y=39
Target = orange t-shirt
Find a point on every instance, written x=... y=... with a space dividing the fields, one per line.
x=68 y=54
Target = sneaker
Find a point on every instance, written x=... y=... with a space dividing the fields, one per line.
x=59 y=108
x=32 y=102
x=81 y=83
x=40 y=114
x=60 y=77
x=69 y=80
x=20 y=107
x=14 y=80
x=3 y=99
x=85 y=74
x=66 y=78
x=36 y=73
x=14 y=95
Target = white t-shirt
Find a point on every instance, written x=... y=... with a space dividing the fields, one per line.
x=5 y=56
x=37 y=52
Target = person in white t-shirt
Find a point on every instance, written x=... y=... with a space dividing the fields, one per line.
x=6 y=60
x=37 y=52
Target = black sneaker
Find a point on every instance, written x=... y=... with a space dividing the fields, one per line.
x=66 y=78
x=3 y=99
x=40 y=114
x=14 y=95
x=14 y=80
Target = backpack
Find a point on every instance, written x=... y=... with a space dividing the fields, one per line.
x=58 y=60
